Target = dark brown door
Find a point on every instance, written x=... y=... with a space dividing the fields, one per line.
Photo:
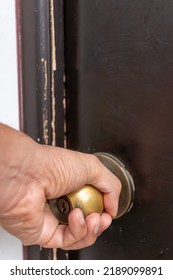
x=119 y=79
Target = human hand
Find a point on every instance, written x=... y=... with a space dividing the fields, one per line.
x=31 y=174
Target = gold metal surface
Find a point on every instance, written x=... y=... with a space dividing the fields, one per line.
x=87 y=198
x=90 y=199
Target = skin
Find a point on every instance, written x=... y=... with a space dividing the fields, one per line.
x=31 y=173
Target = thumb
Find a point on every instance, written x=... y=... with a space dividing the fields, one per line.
x=69 y=170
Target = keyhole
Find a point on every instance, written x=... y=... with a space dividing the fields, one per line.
x=64 y=208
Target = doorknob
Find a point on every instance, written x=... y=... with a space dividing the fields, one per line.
x=90 y=200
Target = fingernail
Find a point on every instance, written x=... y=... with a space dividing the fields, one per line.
x=81 y=219
x=96 y=228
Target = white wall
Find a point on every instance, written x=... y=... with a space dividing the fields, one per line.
x=10 y=247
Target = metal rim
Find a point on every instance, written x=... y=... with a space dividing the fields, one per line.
x=128 y=187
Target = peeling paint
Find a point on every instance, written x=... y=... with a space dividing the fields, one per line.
x=45 y=79
x=45 y=127
x=53 y=63
x=65 y=123
x=54 y=254
x=45 y=112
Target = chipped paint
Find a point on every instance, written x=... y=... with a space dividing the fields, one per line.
x=53 y=69
x=45 y=112
x=54 y=254
x=65 y=110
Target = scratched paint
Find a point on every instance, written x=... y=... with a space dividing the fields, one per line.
x=45 y=112
x=53 y=69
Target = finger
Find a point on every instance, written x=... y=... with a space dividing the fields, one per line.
x=95 y=224
x=71 y=170
x=106 y=221
x=110 y=185
x=66 y=235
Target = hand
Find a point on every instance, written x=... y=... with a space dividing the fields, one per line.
x=31 y=174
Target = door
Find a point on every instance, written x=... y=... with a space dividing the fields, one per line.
x=119 y=84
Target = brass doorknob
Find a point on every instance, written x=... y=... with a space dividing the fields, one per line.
x=90 y=200
x=87 y=198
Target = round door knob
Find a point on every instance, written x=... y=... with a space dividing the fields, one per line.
x=90 y=200
x=87 y=198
